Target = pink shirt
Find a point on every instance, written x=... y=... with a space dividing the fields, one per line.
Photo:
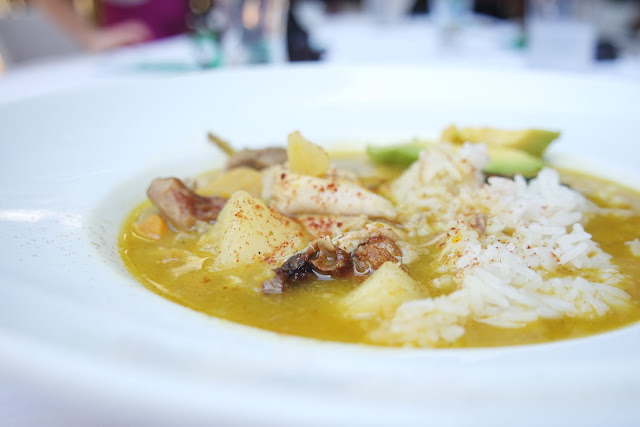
x=163 y=17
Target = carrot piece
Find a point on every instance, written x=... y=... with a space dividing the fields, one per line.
x=153 y=227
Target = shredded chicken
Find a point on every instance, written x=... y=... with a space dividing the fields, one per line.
x=351 y=240
x=294 y=194
x=375 y=252
x=257 y=159
x=332 y=225
x=181 y=205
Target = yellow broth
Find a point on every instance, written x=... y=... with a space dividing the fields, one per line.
x=175 y=268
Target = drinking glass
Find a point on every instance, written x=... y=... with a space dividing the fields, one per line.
x=561 y=34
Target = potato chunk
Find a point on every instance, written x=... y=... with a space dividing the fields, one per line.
x=305 y=157
x=240 y=178
x=381 y=293
x=247 y=231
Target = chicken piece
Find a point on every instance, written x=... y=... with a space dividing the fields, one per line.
x=180 y=205
x=294 y=194
x=368 y=257
x=351 y=241
x=331 y=225
x=320 y=257
x=329 y=259
x=257 y=159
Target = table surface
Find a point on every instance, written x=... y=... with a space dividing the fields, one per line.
x=348 y=39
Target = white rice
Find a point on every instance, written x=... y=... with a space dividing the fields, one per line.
x=507 y=274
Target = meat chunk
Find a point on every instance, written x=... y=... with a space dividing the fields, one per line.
x=376 y=251
x=329 y=259
x=257 y=159
x=358 y=253
x=294 y=270
x=321 y=257
x=351 y=240
x=294 y=194
x=181 y=205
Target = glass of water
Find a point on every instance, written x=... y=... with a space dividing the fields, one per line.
x=561 y=34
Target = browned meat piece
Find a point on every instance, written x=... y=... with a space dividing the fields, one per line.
x=320 y=257
x=294 y=270
x=257 y=159
x=378 y=249
x=329 y=259
x=181 y=205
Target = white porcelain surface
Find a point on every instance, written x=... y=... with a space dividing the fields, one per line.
x=73 y=322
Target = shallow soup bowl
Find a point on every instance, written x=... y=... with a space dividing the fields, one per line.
x=74 y=323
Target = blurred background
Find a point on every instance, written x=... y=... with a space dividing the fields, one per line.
x=52 y=44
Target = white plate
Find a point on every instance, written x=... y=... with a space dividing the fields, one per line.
x=73 y=320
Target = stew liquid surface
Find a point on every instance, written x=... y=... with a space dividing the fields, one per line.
x=175 y=268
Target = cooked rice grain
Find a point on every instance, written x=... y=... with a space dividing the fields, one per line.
x=507 y=275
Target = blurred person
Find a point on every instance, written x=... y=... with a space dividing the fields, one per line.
x=126 y=22
x=503 y=9
x=121 y=22
x=298 y=40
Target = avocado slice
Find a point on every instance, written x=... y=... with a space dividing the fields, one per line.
x=502 y=161
x=401 y=155
x=510 y=161
x=532 y=141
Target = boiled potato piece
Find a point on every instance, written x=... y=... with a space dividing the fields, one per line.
x=240 y=178
x=381 y=293
x=305 y=157
x=247 y=231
